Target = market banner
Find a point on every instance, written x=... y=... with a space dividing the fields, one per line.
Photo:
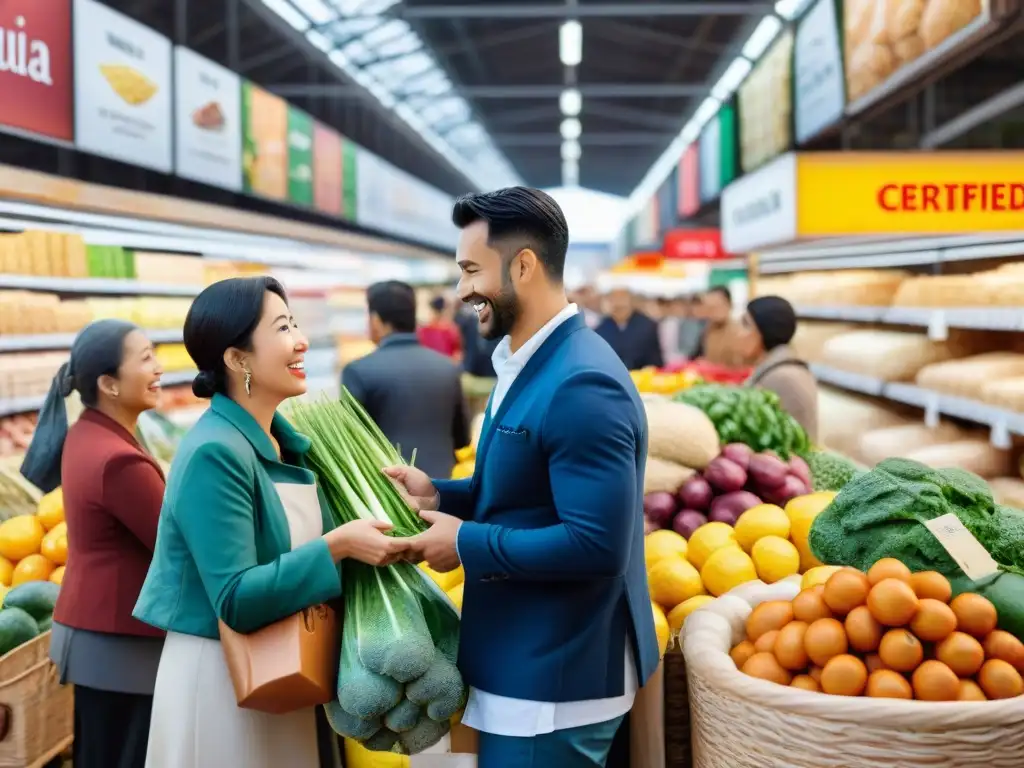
x=300 y=157
x=123 y=107
x=668 y=207
x=761 y=208
x=818 y=85
x=710 y=161
x=766 y=106
x=264 y=143
x=208 y=129
x=689 y=184
x=349 y=179
x=327 y=170
x=698 y=244
x=728 y=151
x=36 y=68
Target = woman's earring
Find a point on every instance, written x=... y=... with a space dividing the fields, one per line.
x=248 y=382
x=115 y=393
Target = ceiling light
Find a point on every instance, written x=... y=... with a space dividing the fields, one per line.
x=762 y=36
x=571 y=128
x=570 y=43
x=571 y=150
x=707 y=110
x=570 y=102
x=730 y=80
x=570 y=173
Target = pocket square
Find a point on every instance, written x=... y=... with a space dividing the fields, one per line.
x=513 y=431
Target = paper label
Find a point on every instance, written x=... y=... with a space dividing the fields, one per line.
x=973 y=559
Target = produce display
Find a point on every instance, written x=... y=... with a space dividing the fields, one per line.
x=830 y=471
x=882 y=514
x=655 y=381
x=398 y=686
x=27 y=612
x=886 y=633
x=748 y=415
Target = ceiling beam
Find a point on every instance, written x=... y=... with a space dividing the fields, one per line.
x=564 y=11
x=588 y=90
x=614 y=139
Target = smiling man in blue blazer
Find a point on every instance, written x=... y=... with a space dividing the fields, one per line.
x=557 y=630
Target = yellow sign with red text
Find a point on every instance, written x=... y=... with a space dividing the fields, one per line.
x=919 y=193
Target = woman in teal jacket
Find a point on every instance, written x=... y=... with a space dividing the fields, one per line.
x=244 y=537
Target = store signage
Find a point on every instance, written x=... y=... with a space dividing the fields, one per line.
x=693 y=244
x=264 y=143
x=327 y=170
x=920 y=193
x=728 y=151
x=819 y=90
x=300 y=157
x=667 y=204
x=349 y=179
x=766 y=106
x=36 y=68
x=761 y=208
x=123 y=107
x=208 y=130
x=710 y=161
x=689 y=184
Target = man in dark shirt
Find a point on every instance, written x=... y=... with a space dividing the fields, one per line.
x=413 y=393
x=632 y=334
x=476 y=350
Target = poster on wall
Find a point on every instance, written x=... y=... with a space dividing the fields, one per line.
x=36 y=68
x=300 y=157
x=327 y=170
x=766 y=106
x=264 y=143
x=818 y=86
x=122 y=88
x=208 y=131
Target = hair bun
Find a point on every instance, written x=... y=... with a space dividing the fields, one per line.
x=204 y=385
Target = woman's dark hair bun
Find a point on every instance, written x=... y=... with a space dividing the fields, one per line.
x=204 y=385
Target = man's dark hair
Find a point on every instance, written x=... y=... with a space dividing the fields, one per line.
x=394 y=302
x=726 y=293
x=517 y=218
x=438 y=303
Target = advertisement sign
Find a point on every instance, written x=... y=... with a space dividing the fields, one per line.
x=300 y=157
x=647 y=224
x=122 y=88
x=689 y=189
x=667 y=205
x=761 y=208
x=693 y=244
x=327 y=170
x=728 y=151
x=916 y=193
x=264 y=143
x=766 y=106
x=819 y=90
x=208 y=130
x=349 y=179
x=883 y=36
x=36 y=68
x=710 y=161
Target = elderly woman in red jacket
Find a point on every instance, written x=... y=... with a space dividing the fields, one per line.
x=113 y=491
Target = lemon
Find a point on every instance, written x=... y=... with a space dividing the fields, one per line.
x=727 y=568
x=775 y=558
x=802 y=512
x=706 y=540
x=659 y=544
x=678 y=615
x=818 y=575
x=673 y=580
x=661 y=628
x=760 y=521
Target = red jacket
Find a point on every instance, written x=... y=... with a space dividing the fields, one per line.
x=113 y=491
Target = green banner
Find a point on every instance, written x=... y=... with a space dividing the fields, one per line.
x=300 y=157
x=729 y=151
x=350 y=180
x=725 y=277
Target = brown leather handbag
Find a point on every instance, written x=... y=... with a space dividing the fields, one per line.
x=289 y=665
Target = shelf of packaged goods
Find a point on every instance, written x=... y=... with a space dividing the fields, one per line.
x=49 y=341
x=1001 y=422
x=937 y=321
x=95 y=285
x=177 y=378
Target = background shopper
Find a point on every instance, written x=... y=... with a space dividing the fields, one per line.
x=112 y=493
x=632 y=334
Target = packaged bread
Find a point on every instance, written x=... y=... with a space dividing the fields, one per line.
x=886 y=355
x=880 y=444
x=976 y=455
x=810 y=338
x=968 y=377
x=1005 y=393
x=844 y=417
x=1008 y=491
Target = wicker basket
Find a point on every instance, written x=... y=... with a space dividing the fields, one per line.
x=743 y=722
x=36 y=711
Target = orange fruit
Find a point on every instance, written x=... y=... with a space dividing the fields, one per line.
x=999 y=680
x=893 y=603
x=20 y=537
x=55 y=548
x=825 y=639
x=844 y=675
x=900 y=650
x=845 y=590
x=888 y=568
x=766 y=667
x=886 y=684
x=6 y=571
x=773 y=614
x=961 y=653
x=934 y=681
x=32 y=568
x=975 y=614
x=931 y=584
x=57 y=577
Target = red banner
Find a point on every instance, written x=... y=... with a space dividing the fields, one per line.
x=689 y=182
x=693 y=244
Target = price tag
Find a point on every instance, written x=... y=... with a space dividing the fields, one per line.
x=973 y=559
x=931 y=410
x=1001 y=434
x=937 y=328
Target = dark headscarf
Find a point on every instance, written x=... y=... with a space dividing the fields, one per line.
x=97 y=351
x=775 y=320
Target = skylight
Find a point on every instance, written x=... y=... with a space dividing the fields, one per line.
x=385 y=56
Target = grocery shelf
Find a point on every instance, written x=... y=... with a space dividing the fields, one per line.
x=95 y=285
x=44 y=341
x=1002 y=423
x=938 y=321
x=21 y=405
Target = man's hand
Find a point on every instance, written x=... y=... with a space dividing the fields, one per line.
x=436 y=545
x=414 y=485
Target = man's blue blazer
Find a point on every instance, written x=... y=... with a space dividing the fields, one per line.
x=553 y=543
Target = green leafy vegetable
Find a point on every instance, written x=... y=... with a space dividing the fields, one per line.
x=830 y=471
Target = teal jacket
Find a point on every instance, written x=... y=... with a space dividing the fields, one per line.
x=223 y=548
